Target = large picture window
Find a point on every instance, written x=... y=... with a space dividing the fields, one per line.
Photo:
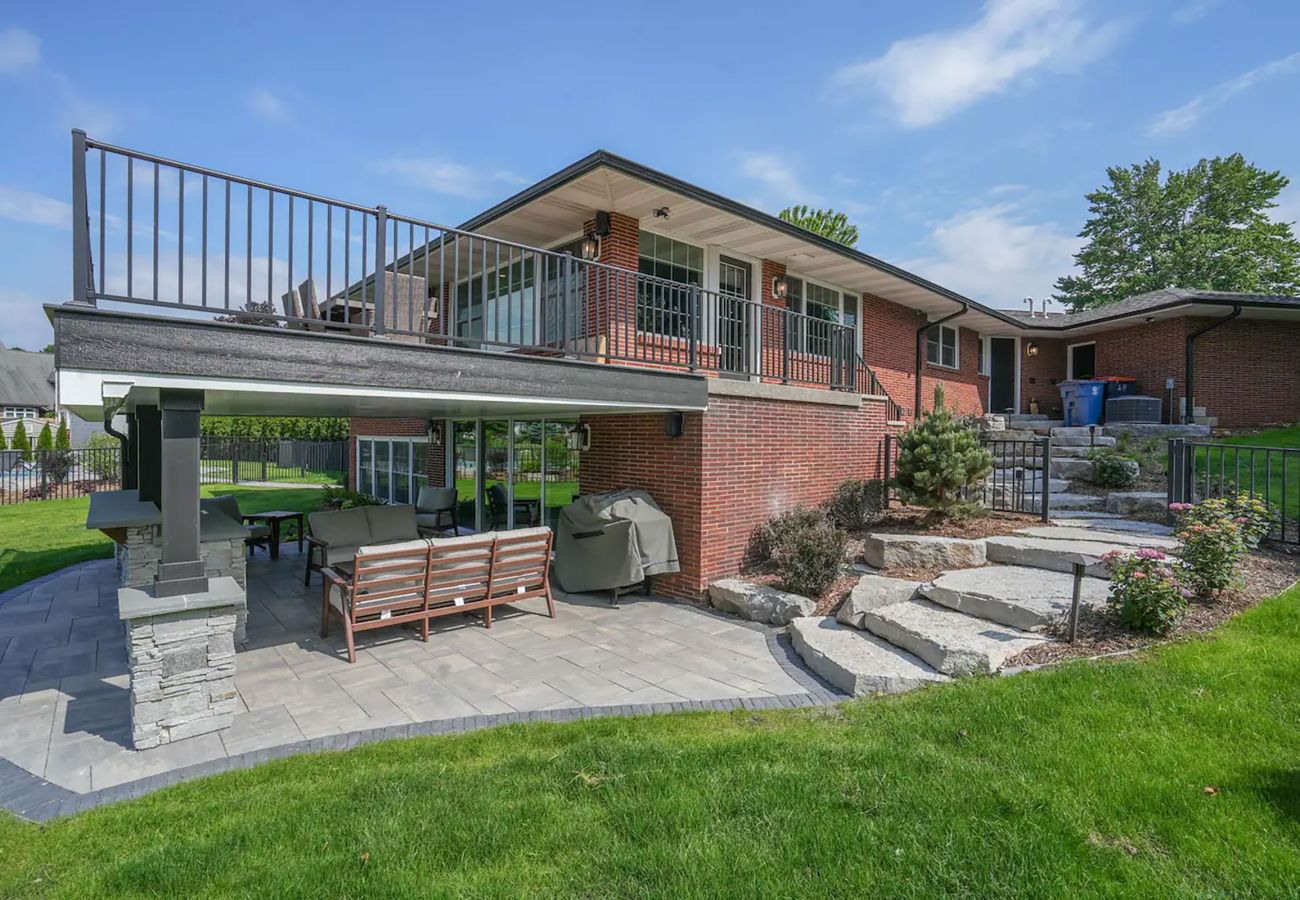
x=661 y=308
x=821 y=304
x=392 y=469
x=941 y=346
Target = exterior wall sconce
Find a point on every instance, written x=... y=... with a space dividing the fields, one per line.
x=1031 y=349
x=579 y=436
x=676 y=424
x=780 y=287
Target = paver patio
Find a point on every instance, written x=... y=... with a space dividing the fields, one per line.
x=64 y=687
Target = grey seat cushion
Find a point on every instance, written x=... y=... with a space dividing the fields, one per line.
x=391 y=523
x=341 y=528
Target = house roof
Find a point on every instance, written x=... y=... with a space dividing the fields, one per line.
x=587 y=193
x=1161 y=301
x=26 y=379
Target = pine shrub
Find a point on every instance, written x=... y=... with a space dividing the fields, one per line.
x=939 y=460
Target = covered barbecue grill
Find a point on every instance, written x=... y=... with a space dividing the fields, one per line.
x=612 y=541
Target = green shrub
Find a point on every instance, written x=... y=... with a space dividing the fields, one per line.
x=22 y=442
x=343 y=498
x=1146 y=591
x=806 y=548
x=856 y=503
x=939 y=460
x=1109 y=469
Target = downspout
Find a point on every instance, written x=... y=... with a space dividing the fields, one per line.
x=920 y=352
x=1189 y=413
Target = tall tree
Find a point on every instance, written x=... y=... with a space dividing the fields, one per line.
x=826 y=222
x=1206 y=227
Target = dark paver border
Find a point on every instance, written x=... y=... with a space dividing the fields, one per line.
x=38 y=800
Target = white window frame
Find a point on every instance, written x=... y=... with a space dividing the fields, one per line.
x=1069 y=358
x=26 y=413
x=840 y=293
x=956 y=348
x=393 y=438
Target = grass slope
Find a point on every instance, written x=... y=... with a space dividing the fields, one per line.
x=43 y=536
x=1085 y=780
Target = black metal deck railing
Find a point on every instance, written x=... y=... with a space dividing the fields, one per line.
x=167 y=234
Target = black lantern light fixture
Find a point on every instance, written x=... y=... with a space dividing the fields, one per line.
x=780 y=287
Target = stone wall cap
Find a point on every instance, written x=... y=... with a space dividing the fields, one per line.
x=137 y=602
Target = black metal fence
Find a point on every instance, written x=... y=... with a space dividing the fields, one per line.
x=1020 y=481
x=58 y=474
x=1200 y=470
x=225 y=460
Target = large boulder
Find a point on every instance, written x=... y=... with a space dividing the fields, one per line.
x=921 y=551
x=758 y=602
x=873 y=591
x=1150 y=504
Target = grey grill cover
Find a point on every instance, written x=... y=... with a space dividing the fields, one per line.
x=613 y=540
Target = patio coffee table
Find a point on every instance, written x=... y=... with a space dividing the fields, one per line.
x=276 y=518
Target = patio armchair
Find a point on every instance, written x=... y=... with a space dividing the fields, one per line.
x=259 y=534
x=335 y=536
x=436 y=505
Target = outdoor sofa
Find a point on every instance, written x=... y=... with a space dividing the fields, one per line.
x=413 y=582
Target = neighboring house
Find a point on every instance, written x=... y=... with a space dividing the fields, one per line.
x=27 y=392
x=611 y=326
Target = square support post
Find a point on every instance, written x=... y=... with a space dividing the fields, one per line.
x=148 y=458
x=181 y=570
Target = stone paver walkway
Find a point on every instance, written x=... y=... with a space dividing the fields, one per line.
x=64 y=702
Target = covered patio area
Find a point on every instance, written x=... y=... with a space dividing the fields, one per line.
x=64 y=692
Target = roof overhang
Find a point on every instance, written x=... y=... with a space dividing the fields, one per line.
x=557 y=207
x=250 y=370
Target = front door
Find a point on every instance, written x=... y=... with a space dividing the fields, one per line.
x=735 y=288
x=1002 y=375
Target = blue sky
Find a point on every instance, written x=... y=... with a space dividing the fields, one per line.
x=961 y=137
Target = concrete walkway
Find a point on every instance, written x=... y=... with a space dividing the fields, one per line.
x=64 y=702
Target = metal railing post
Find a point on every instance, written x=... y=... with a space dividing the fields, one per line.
x=381 y=263
x=80 y=221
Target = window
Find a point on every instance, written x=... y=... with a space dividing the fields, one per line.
x=391 y=469
x=663 y=308
x=823 y=304
x=21 y=412
x=941 y=347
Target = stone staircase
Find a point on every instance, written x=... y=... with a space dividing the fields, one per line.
x=894 y=635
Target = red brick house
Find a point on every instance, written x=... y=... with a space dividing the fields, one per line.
x=777 y=432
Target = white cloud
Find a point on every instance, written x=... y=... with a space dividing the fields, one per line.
x=1174 y=121
x=778 y=178
x=1194 y=11
x=926 y=79
x=446 y=176
x=268 y=105
x=19 y=50
x=29 y=206
x=991 y=254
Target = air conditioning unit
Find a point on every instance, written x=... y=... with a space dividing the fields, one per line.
x=1135 y=408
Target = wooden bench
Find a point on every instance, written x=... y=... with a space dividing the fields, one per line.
x=415 y=582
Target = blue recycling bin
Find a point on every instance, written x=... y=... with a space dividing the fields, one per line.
x=1083 y=402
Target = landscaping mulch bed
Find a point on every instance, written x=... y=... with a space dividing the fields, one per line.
x=1266 y=572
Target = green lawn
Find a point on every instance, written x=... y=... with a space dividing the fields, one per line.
x=1264 y=474
x=1177 y=774
x=42 y=536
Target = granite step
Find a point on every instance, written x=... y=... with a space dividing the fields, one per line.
x=1107 y=533
x=1054 y=554
x=950 y=641
x=1017 y=596
x=856 y=662
x=1076 y=501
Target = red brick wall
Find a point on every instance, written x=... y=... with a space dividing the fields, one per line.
x=1040 y=374
x=889 y=349
x=436 y=467
x=736 y=466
